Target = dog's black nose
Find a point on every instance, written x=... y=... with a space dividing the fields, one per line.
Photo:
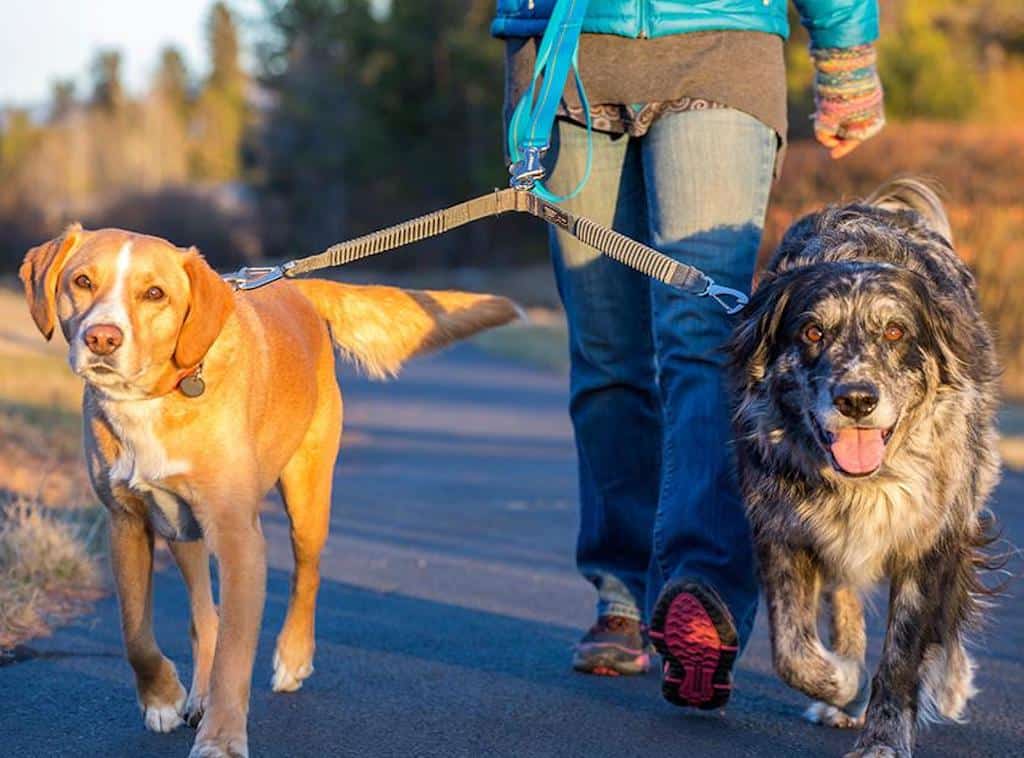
x=855 y=399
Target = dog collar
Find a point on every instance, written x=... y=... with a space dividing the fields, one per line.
x=192 y=384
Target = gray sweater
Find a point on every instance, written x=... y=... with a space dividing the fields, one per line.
x=735 y=69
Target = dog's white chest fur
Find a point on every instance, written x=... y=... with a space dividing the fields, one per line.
x=866 y=524
x=143 y=466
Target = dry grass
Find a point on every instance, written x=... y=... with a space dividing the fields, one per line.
x=40 y=416
x=48 y=572
x=50 y=525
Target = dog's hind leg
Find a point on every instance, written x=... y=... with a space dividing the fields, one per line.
x=306 y=488
x=947 y=682
x=792 y=583
x=947 y=671
x=194 y=563
x=848 y=640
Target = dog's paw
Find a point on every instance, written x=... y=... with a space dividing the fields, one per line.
x=288 y=676
x=163 y=717
x=829 y=715
x=162 y=699
x=874 y=751
x=222 y=748
x=195 y=707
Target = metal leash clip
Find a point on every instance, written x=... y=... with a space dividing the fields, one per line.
x=717 y=292
x=528 y=170
x=254 y=277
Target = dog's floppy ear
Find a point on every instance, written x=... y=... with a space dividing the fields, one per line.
x=750 y=346
x=963 y=341
x=40 y=272
x=211 y=301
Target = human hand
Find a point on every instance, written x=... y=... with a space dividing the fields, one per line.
x=848 y=98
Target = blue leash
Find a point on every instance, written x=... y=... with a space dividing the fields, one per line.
x=529 y=131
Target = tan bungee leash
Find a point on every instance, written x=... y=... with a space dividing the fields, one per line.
x=517 y=198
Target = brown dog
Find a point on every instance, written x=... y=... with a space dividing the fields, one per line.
x=198 y=399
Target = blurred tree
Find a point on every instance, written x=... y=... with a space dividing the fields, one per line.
x=108 y=91
x=925 y=73
x=62 y=99
x=171 y=82
x=220 y=116
x=310 y=66
x=222 y=35
x=17 y=140
x=378 y=116
x=799 y=78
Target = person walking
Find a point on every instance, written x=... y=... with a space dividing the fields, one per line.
x=687 y=101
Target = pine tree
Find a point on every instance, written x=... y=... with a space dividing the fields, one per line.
x=220 y=118
x=108 y=92
x=63 y=99
x=171 y=82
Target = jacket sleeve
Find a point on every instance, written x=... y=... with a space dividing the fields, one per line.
x=839 y=23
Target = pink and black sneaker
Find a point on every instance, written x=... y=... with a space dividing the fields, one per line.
x=614 y=646
x=693 y=632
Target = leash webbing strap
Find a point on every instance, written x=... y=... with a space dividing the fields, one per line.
x=621 y=248
x=414 y=230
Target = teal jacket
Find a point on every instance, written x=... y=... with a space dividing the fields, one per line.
x=831 y=23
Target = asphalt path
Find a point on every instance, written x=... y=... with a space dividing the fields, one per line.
x=448 y=609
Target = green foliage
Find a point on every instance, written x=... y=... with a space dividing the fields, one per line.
x=925 y=74
x=171 y=82
x=378 y=117
x=63 y=99
x=221 y=112
x=108 y=91
x=17 y=141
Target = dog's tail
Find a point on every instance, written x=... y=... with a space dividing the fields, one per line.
x=379 y=328
x=914 y=194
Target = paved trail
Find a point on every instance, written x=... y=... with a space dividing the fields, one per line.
x=448 y=609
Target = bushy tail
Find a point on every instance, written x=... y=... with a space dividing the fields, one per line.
x=380 y=328
x=914 y=194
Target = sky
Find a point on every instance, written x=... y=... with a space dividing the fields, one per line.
x=45 y=40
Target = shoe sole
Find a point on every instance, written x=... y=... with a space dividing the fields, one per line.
x=696 y=639
x=610 y=660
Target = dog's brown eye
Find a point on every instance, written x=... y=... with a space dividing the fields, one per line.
x=83 y=281
x=894 y=332
x=154 y=293
x=813 y=333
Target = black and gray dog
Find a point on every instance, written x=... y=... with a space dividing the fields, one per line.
x=865 y=388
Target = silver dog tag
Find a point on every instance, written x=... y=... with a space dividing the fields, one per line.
x=192 y=386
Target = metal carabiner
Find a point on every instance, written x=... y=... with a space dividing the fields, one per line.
x=528 y=170
x=253 y=277
x=717 y=292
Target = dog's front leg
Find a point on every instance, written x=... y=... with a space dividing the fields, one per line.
x=194 y=563
x=916 y=597
x=161 y=695
x=236 y=540
x=792 y=584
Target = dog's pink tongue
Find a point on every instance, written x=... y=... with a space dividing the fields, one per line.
x=858 y=451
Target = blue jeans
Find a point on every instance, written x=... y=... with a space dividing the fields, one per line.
x=659 y=497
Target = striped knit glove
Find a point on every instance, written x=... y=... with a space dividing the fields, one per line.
x=847 y=96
